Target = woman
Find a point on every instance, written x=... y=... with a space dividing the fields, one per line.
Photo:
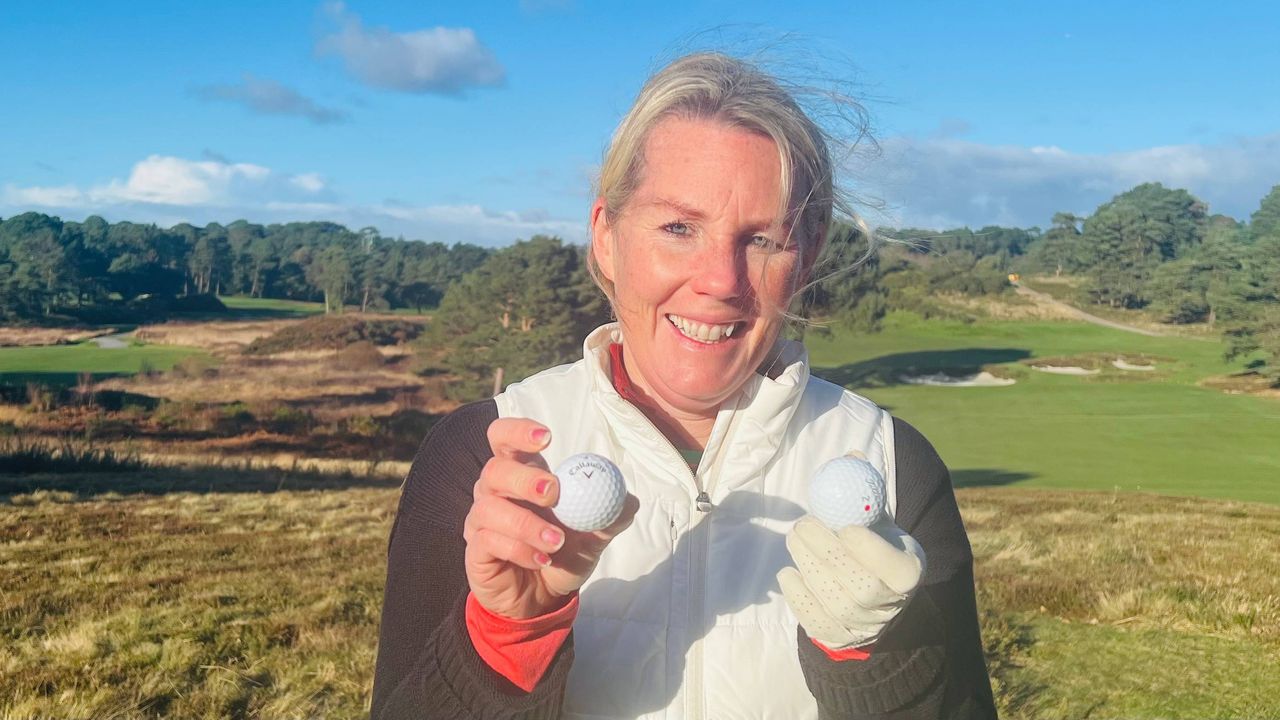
x=714 y=596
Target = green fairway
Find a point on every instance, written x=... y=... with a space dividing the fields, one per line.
x=60 y=364
x=270 y=307
x=1122 y=430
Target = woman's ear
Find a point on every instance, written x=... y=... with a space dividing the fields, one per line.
x=602 y=239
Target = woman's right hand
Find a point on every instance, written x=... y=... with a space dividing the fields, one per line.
x=520 y=562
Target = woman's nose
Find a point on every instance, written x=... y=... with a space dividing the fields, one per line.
x=720 y=271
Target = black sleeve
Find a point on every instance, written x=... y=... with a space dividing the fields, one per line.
x=929 y=663
x=427 y=667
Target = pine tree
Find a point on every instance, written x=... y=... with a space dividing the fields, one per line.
x=527 y=308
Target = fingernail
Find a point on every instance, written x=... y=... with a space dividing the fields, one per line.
x=543 y=486
x=542 y=559
x=540 y=435
x=552 y=537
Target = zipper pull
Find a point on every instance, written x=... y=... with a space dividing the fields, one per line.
x=704 y=502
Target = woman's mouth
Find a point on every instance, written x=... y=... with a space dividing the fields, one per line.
x=702 y=332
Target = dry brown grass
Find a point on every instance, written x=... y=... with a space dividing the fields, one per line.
x=217 y=337
x=33 y=336
x=123 y=600
x=1250 y=383
x=1184 y=564
x=308 y=380
x=1012 y=307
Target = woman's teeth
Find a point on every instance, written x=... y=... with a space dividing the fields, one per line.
x=701 y=331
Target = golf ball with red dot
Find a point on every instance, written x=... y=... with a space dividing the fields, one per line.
x=846 y=491
x=592 y=492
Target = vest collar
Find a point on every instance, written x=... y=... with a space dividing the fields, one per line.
x=749 y=427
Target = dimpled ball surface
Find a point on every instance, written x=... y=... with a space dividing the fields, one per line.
x=592 y=492
x=846 y=491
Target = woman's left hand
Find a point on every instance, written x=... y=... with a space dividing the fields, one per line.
x=848 y=585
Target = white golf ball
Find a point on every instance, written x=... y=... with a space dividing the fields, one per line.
x=592 y=492
x=846 y=491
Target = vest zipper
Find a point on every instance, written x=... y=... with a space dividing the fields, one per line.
x=698 y=560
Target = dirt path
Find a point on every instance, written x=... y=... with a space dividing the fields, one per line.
x=1082 y=315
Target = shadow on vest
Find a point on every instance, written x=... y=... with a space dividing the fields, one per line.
x=734 y=534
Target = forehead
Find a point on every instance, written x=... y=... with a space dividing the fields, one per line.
x=710 y=165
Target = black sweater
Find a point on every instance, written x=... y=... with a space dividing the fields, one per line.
x=928 y=664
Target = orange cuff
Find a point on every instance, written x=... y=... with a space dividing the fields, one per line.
x=842 y=655
x=519 y=650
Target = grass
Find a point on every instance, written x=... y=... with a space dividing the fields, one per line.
x=210 y=594
x=61 y=364
x=253 y=591
x=1158 y=431
x=1109 y=605
x=270 y=307
x=190 y=604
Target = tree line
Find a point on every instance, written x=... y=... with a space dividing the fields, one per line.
x=503 y=314
x=95 y=269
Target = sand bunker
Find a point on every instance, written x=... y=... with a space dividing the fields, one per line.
x=110 y=342
x=1065 y=370
x=1120 y=363
x=982 y=379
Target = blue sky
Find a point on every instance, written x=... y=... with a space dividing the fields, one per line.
x=484 y=122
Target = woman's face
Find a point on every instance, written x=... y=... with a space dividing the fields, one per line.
x=701 y=269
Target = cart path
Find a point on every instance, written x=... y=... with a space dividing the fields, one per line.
x=1082 y=315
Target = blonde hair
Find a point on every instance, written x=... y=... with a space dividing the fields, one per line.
x=715 y=86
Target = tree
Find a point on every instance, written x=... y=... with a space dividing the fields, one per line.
x=528 y=307
x=330 y=270
x=1058 y=250
x=1133 y=233
x=1195 y=288
x=1265 y=221
x=39 y=263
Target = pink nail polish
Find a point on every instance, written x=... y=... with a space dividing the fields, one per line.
x=542 y=559
x=540 y=435
x=543 y=486
x=552 y=537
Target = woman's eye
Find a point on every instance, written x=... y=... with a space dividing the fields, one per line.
x=676 y=228
x=766 y=243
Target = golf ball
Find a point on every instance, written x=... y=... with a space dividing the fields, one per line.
x=846 y=491
x=591 y=492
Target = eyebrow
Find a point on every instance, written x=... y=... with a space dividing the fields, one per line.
x=694 y=213
x=677 y=206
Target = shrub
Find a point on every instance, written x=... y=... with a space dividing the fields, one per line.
x=194 y=366
x=181 y=415
x=206 y=303
x=29 y=457
x=290 y=421
x=232 y=419
x=40 y=398
x=363 y=425
x=334 y=333
x=362 y=355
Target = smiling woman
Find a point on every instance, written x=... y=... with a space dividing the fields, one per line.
x=714 y=594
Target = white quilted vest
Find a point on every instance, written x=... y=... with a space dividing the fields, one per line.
x=683 y=619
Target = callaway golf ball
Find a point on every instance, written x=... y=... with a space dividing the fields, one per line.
x=591 y=492
x=846 y=491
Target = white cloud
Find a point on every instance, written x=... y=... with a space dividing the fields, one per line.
x=439 y=60
x=169 y=190
x=271 y=98
x=945 y=182
x=310 y=182
x=164 y=180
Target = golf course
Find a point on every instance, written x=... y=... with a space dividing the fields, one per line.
x=1123 y=508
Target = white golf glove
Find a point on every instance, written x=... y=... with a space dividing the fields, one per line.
x=847 y=586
